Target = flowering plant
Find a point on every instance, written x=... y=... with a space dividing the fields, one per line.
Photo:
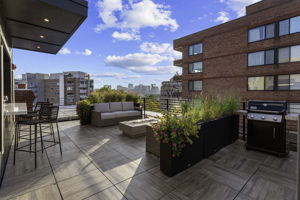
x=176 y=130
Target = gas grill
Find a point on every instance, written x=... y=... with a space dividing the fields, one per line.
x=267 y=126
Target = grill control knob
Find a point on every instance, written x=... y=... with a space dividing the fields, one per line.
x=252 y=116
x=275 y=119
x=262 y=117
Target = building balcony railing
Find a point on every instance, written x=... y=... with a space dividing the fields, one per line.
x=178 y=62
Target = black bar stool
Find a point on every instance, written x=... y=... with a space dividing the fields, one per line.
x=47 y=116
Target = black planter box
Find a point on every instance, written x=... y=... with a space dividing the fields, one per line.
x=219 y=133
x=189 y=156
x=213 y=136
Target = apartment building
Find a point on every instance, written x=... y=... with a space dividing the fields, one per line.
x=51 y=90
x=35 y=82
x=256 y=56
x=172 y=88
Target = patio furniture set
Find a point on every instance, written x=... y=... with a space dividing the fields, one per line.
x=34 y=127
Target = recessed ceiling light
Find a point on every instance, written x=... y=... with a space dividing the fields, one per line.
x=38 y=47
x=41 y=36
x=46 y=20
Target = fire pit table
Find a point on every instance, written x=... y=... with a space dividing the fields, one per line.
x=136 y=128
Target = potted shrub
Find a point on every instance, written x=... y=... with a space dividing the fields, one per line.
x=205 y=126
x=84 y=109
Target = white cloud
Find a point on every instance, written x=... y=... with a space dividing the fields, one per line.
x=134 y=15
x=223 y=17
x=115 y=75
x=238 y=6
x=64 y=51
x=86 y=52
x=135 y=60
x=157 y=48
x=107 y=10
x=127 y=36
x=142 y=63
x=155 y=70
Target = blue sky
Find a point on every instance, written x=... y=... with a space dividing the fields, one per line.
x=130 y=41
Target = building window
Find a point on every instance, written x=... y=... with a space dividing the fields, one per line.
x=261 y=33
x=195 y=85
x=295 y=81
x=256 y=58
x=295 y=53
x=195 y=49
x=270 y=57
x=284 y=27
x=256 y=83
x=269 y=83
x=295 y=25
x=195 y=67
x=289 y=26
x=283 y=82
x=270 y=31
x=284 y=55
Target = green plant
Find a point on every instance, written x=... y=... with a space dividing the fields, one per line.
x=132 y=97
x=83 y=109
x=178 y=131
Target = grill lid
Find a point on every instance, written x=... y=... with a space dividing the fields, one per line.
x=279 y=107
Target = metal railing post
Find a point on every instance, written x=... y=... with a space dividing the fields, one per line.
x=167 y=105
x=244 y=122
x=144 y=107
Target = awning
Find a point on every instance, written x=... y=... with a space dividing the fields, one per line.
x=42 y=25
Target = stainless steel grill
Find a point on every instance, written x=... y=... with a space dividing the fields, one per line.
x=267 y=126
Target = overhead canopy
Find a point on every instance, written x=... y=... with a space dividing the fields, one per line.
x=42 y=25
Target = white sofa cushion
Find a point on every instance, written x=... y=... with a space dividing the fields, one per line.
x=129 y=113
x=108 y=116
x=128 y=106
x=115 y=106
x=101 y=107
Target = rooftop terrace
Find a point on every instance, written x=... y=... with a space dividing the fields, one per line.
x=101 y=163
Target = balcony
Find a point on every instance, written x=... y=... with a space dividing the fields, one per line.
x=178 y=62
x=101 y=162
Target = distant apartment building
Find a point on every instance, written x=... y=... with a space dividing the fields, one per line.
x=51 y=88
x=64 y=88
x=172 y=88
x=20 y=84
x=92 y=87
x=256 y=56
x=35 y=82
x=142 y=90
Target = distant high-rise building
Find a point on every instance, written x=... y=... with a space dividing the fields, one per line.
x=64 y=88
x=35 y=82
x=120 y=87
x=130 y=86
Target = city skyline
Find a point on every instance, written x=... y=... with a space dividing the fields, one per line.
x=117 y=46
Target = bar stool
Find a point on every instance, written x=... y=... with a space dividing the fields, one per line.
x=47 y=115
x=31 y=115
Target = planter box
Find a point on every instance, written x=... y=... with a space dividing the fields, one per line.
x=152 y=145
x=219 y=133
x=213 y=136
x=189 y=156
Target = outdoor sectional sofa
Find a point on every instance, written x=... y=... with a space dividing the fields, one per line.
x=109 y=114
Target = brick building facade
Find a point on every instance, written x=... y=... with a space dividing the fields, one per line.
x=256 y=56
